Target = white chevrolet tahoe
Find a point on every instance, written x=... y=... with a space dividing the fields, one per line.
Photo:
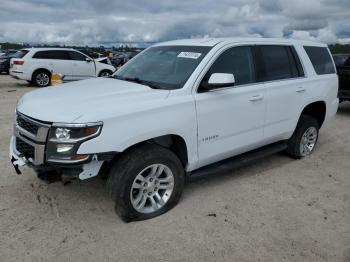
x=37 y=64
x=179 y=109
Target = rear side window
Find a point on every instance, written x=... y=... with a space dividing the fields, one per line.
x=276 y=62
x=320 y=59
x=237 y=61
x=41 y=55
x=54 y=54
x=59 y=55
x=77 y=56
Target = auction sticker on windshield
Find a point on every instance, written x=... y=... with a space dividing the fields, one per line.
x=191 y=55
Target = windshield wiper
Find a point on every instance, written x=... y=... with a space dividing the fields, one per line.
x=142 y=82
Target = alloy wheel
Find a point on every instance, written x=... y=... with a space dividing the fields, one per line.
x=152 y=188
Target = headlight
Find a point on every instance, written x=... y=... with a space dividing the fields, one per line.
x=65 y=139
x=62 y=133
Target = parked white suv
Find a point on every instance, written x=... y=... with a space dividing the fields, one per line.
x=181 y=108
x=37 y=65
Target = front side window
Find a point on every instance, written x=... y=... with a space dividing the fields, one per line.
x=77 y=56
x=320 y=59
x=237 y=61
x=163 y=67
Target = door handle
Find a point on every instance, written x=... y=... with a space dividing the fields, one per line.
x=300 y=89
x=256 y=98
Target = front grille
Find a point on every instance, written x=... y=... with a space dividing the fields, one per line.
x=25 y=149
x=27 y=125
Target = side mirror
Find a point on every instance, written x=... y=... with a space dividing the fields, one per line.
x=88 y=60
x=218 y=80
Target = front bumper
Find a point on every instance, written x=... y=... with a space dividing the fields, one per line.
x=28 y=147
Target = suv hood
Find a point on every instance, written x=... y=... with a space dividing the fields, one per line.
x=88 y=100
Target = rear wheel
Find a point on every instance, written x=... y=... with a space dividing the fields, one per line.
x=305 y=137
x=146 y=182
x=41 y=78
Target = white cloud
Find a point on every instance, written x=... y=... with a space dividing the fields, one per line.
x=90 y=22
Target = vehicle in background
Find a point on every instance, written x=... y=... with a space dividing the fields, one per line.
x=10 y=52
x=39 y=63
x=91 y=54
x=181 y=108
x=342 y=62
x=1 y=53
x=6 y=58
x=121 y=58
x=104 y=60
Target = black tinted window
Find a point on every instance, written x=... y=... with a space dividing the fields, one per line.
x=341 y=60
x=41 y=55
x=320 y=59
x=54 y=54
x=276 y=63
x=76 y=56
x=237 y=61
x=59 y=54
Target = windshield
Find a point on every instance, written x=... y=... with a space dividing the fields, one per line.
x=339 y=60
x=163 y=67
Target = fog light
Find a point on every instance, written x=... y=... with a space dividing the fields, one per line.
x=63 y=148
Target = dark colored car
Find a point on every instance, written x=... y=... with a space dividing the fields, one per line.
x=342 y=62
x=5 y=59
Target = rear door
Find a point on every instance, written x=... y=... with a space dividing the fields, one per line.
x=281 y=71
x=56 y=61
x=83 y=66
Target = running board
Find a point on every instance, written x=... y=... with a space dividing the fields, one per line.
x=237 y=161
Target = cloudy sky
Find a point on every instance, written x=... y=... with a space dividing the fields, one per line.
x=108 y=22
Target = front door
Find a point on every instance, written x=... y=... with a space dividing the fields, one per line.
x=83 y=67
x=231 y=119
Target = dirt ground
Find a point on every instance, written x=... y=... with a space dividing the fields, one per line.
x=277 y=209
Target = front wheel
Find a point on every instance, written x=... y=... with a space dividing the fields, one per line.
x=105 y=73
x=305 y=137
x=146 y=182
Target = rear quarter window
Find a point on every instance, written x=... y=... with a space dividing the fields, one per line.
x=320 y=59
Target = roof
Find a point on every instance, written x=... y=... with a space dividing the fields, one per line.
x=47 y=48
x=215 y=41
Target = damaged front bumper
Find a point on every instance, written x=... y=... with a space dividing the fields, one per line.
x=83 y=171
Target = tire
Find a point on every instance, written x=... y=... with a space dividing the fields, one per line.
x=304 y=138
x=128 y=191
x=41 y=78
x=105 y=73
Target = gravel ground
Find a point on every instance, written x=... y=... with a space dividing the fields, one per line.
x=277 y=209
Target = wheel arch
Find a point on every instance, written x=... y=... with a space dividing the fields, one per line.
x=40 y=69
x=317 y=110
x=173 y=142
x=104 y=70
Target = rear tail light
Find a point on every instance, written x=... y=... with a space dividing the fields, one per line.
x=18 y=62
